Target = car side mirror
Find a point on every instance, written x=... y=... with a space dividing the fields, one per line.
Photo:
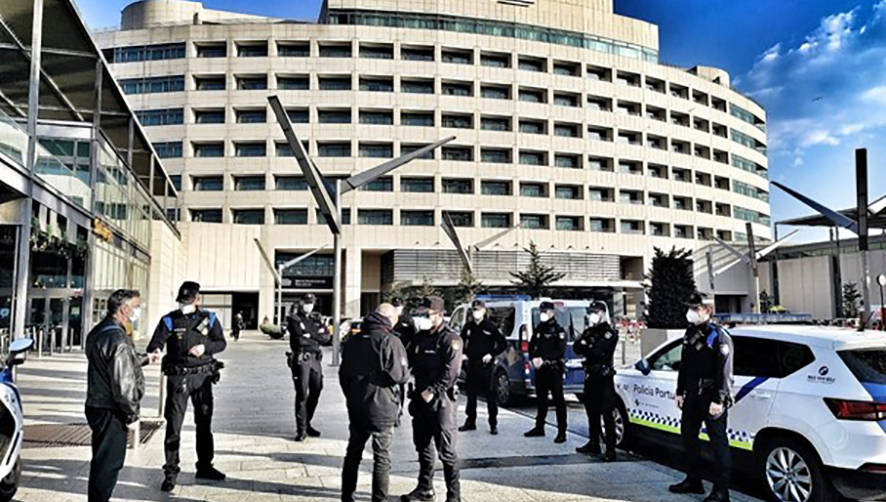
x=643 y=367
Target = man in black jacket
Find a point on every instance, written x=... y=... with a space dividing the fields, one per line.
x=597 y=345
x=114 y=389
x=374 y=366
x=483 y=344
x=435 y=359
x=191 y=336
x=307 y=334
x=547 y=351
x=704 y=394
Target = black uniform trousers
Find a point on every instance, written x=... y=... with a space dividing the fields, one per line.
x=695 y=411
x=599 y=401
x=307 y=376
x=108 y=452
x=549 y=379
x=197 y=388
x=381 y=461
x=479 y=381
x=433 y=425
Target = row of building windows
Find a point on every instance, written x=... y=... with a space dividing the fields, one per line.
x=426 y=218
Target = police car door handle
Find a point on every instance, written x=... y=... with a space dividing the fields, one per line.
x=761 y=395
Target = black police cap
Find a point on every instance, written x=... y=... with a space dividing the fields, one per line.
x=309 y=298
x=546 y=306
x=695 y=299
x=397 y=302
x=478 y=304
x=187 y=292
x=434 y=303
x=597 y=306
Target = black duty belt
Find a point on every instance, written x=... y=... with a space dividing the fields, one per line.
x=211 y=367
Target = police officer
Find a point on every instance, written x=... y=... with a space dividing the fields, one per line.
x=374 y=366
x=404 y=329
x=483 y=342
x=306 y=334
x=192 y=336
x=435 y=358
x=547 y=350
x=597 y=344
x=704 y=393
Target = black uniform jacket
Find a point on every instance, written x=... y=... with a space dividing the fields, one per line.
x=114 y=378
x=482 y=338
x=180 y=332
x=435 y=359
x=549 y=343
x=307 y=333
x=374 y=365
x=597 y=345
x=706 y=362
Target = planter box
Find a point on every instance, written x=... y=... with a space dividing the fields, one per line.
x=653 y=337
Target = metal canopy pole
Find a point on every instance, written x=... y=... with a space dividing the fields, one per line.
x=755 y=275
x=336 y=279
x=861 y=189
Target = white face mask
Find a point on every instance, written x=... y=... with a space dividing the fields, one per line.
x=399 y=311
x=308 y=308
x=422 y=323
x=135 y=314
x=188 y=308
x=594 y=319
x=478 y=315
x=544 y=317
x=694 y=317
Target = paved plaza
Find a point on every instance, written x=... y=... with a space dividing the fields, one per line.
x=254 y=445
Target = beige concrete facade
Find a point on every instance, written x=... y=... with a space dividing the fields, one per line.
x=626 y=154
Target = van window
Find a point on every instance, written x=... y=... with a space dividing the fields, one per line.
x=868 y=365
x=457 y=321
x=571 y=318
x=503 y=317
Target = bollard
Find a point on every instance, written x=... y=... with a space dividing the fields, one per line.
x=136 y=435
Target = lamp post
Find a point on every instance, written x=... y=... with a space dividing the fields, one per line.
x=329 y=204
x=881 y=280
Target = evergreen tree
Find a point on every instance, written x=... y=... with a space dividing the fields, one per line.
x=850 y=299
x=669 y=285
x=468 y=287
x=537 y=277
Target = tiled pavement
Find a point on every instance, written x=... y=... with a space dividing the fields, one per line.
x=254 y=430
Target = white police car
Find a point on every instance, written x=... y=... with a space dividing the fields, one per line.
x=810 y=409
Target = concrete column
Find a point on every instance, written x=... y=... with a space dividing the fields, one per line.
x=353 y=281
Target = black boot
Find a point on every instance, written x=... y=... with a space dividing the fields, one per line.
x=687 y=486
x=493 y=429
x=418 y=494
x=312 y=432
x=535 y=432
x=610 y=455
x=717 y=496
x=300 y=436
x=468 y=426
x=589 y=448
x=210 y=473
x=561 y=437
x=168 y=483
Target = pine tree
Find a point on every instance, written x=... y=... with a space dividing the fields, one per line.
x=669 y=285
x=850 y=299
x=468 y=287
x=537 y=277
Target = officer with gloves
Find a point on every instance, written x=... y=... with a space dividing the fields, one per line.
x=547 y=350
x=483 y=342
x=435 y=359
x=374 y=366
x=597 y=345
x=306 y=335
x=192 y=336
x=704 y=393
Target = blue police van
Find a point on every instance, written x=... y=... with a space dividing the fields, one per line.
x=516 y=317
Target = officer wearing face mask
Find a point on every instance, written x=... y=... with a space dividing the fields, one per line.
x=306 y=335
x=597 y=344
x=192 y=336
x=404 y=329
x=704 y=393
x=483 y=344
x=435 y=359
x=547 y=350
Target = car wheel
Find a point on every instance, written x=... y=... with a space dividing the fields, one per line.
x=9 y=484
x=622 y=427
x=502 y=388
x=792 y=472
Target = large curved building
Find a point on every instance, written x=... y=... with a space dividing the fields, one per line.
x=567 y=126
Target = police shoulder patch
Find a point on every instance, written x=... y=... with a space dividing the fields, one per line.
x=724 y=349
x=562 y=335
x=608 y=335
x=456 y=345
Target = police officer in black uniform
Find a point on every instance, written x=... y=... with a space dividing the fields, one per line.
x=404 y=329
x=597 y=344
x=306 y=335
x=373 y=368
x=704 y=393
x=192 y=336
x=483 y=342
x=435 y=359
x=547 y=351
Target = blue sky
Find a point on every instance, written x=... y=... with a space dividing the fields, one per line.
x=818 y=66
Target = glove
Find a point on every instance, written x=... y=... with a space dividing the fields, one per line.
x=537 y=362
x=487 y=358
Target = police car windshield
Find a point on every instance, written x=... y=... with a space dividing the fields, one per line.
x=503 y=318
x=869 y=366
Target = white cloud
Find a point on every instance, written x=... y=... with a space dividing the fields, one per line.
x=875 y=94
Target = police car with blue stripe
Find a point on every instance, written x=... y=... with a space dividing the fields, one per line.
x=809 y=413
